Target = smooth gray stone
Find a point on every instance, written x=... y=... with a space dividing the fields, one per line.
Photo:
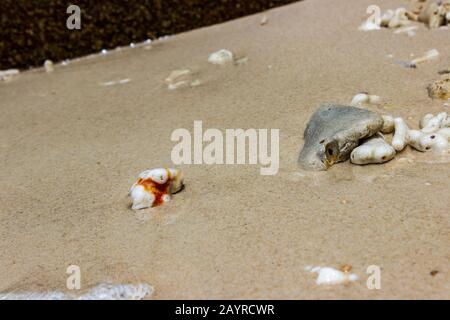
x=333 y=132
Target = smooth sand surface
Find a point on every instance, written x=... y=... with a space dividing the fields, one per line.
x=71 y=148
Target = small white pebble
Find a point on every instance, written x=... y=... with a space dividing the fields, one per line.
x=123 y=81
x=364 y=98
x=264 y=20
x=8 y=75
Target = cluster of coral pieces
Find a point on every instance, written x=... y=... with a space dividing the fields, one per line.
x=433 y=13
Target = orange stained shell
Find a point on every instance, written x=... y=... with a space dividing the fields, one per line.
x=157 y=189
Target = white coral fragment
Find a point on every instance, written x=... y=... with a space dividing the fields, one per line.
x=364 y=98
x=220 y=57
x=331 y=276
x=106 y=291
x=181 y=78
x=388 y=124
x=103 y=291
x=373 y=150
x=430 y=123
x=399 y=139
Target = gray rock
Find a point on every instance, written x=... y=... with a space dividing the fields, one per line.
x=333 y=132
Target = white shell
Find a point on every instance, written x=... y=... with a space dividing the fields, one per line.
x=220 y=57
x=143 y=198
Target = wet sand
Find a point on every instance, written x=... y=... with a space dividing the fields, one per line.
x=71 y=148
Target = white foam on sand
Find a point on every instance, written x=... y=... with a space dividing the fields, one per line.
x=103 y=291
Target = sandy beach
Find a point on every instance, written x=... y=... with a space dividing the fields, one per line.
x=70 y=149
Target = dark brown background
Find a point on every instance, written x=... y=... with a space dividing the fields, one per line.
x=32 y=31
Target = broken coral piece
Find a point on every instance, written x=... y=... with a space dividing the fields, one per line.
x=155 y=187
x=399 y=139
x=399 y=19
x=48 y=66
x=428 y=56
